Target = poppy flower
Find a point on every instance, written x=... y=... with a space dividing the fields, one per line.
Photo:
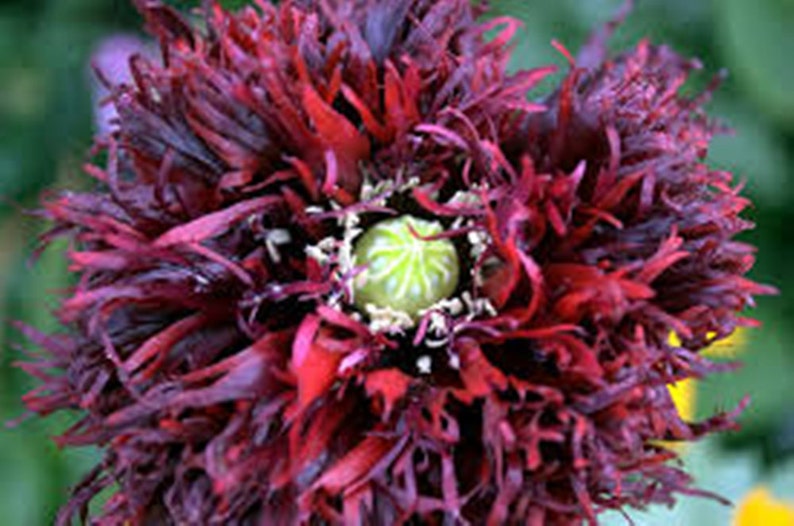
x=279 y=162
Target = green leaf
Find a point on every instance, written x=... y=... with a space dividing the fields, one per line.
x=25 y=478
x=757 y=40
x=230 y=5
x=754 y=152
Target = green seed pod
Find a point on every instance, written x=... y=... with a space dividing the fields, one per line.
x=404 y=272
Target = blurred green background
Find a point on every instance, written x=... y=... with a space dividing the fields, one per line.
x=46 y=128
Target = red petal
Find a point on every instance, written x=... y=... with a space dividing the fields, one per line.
x=314 y=365
x=478 y=375
x=401 y=107
x=374 y=127
x=213 y=224
x=354 y=466
x=391 y=384
x=317 y=374
x=161 y=342
x=336 y=132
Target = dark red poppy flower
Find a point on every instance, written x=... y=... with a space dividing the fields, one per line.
x=338 y=270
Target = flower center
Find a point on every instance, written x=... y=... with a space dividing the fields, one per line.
x=404 y=272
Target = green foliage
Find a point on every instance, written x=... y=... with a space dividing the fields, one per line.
x=757 y=38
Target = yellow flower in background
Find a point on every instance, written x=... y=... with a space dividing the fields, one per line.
x=761 y=508
x=684 y=393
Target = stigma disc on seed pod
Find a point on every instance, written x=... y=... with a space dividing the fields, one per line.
x=403 y=270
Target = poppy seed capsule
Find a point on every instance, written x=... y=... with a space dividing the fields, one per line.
x=404 y=271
